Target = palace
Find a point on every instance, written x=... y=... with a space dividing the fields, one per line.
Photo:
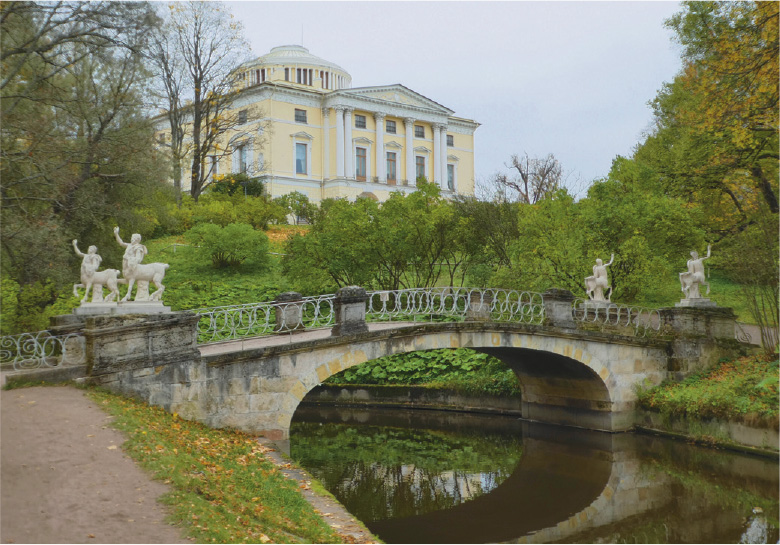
x=302 y=127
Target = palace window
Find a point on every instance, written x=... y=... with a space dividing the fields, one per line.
x=360 y=164
x=286 y=74
x=391 y=170
x=419 y=131
x=360 y=121
x=241 y=158
x=419 y=167
x=390 y=126
x=300 y=116
x=450 y=140
x=451 y=177
x=242 y=116
x=301 y=152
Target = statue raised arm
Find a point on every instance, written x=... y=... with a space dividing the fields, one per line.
x=133 y=270
x=691 y=279
x=598 y=284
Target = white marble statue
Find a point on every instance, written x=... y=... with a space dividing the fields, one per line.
x=597 y=285
x=694 y=276
x=134 y=271
x=94 y=279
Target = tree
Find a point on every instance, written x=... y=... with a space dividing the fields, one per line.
x=717 y=123
x=76 y=148
x=536 y=179
x=298 y=205
x=196 y=54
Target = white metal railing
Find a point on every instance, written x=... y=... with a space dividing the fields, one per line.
x=255 y=319
x=41 y=349
x=429 y=304
x=642 y=320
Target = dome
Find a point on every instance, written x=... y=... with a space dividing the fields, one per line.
x=295 y=54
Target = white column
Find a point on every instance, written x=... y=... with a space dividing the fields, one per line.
x=349 y=153
x=410 y=173
x=443 y=158
x=381 y=163
x=437 y=155
x=339 y=141
x=325 y=144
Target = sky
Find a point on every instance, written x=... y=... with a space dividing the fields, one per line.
x=569 y=78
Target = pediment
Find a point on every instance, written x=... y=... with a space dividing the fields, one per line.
x=302 y=135
x=398 y=95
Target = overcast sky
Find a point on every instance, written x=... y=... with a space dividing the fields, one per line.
x=569 y=78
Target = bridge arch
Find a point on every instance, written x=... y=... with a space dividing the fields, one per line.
x=570 y=380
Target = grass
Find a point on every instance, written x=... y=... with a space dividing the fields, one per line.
x=194 y=283
x=745 y=389
x=224 y=490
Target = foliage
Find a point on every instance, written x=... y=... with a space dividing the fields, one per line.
x=224 y=490
x=461 y=369
x=230 y=184
x=77 y=149
x=407 y=241
x=222 y=209
x=231 y=245
x=743 y=389
x=298 y=205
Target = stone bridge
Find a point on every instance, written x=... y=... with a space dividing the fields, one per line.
x=569 y=373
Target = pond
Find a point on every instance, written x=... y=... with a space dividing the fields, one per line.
x=438 y=477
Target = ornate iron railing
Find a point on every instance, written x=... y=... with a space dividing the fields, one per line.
x=40 y=349
x=430 y=304
x=641 y=320
x=227 y=323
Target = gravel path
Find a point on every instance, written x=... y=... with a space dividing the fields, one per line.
x=65 y=479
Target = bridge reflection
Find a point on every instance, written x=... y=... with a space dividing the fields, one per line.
x=568 y=485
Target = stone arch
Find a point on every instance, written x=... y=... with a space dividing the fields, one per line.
x=571 y=386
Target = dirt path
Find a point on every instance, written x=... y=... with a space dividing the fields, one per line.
x=65 y=479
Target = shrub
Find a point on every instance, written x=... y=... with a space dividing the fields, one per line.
x=230 y=246
x=237 y=184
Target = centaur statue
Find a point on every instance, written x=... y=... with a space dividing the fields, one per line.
x=134 y=271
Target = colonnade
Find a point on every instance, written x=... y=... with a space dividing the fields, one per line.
x=345 y=149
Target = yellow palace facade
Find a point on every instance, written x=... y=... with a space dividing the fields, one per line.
x=302 y=127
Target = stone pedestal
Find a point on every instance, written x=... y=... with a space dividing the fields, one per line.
x=479 y=307
x=129 y=307
x=288 y=311
x=350 y=309
x=123 y=343
x=696 y=302
x=558 y=308
x=700 y=321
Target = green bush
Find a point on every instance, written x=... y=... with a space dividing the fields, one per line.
x=237 y=184
x=229 y=246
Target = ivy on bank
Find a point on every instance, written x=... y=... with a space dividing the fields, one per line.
x=460 y=369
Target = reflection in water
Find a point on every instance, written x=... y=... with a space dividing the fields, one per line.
x=429 y=477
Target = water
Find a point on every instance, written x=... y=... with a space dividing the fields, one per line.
x=435 y=477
